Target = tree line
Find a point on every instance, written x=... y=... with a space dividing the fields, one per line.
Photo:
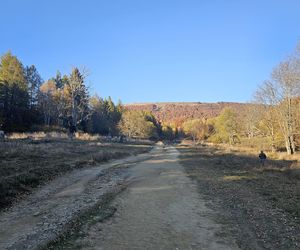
x=63 y=103
x=27 y=103
x=271 y=121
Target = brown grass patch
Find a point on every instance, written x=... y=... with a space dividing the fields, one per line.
x=263 y=203
x=28 y=162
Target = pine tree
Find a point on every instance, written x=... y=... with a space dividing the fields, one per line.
x=34 y=81
x=58 y=80
x=98 y=122
x=77 y=95
x=14 y=100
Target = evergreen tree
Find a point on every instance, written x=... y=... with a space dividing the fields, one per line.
x=14 y=99
x=98 y=122
x=58 y=80
x=34 y=81
x=105 y=116
x=78 y=98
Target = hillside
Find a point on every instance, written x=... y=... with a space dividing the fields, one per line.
x=177 y=112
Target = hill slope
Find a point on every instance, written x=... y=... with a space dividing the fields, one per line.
x=177 y=112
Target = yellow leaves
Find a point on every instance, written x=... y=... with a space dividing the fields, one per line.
x=136 y=123
x=197 y=128
x=11 y=71
x=48 y=87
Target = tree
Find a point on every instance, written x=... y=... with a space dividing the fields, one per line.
x=47 y=102
x=113 y=115
x=58 y=80
x=78 y=99
x=105 y=116
x=197 y=129
x=138 y=124
x=14 y=101
x=99 y=116
x=280 y=94
x=34 y=81
x=250 y=120
x=60 y=103
x=225 y=126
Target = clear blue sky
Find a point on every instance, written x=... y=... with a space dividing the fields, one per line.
x=155 y=50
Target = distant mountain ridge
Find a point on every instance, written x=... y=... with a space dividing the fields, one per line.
x=178 y=112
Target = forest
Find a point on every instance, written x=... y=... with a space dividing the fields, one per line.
x=64 y=103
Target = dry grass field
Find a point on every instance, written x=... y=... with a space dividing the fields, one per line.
x=27 y=161
x=261 y=203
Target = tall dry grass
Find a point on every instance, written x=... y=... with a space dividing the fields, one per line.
x=37 y=135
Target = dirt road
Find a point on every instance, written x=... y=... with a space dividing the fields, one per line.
x=200 y=198
x=160 y=209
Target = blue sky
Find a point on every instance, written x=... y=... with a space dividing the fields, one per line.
x=155 y=50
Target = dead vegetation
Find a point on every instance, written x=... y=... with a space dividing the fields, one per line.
x=262 y=203
x=29 y=161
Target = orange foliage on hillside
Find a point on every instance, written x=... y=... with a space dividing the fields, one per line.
x=176 y=113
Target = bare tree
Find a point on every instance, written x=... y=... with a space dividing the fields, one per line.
x=250 y=120
x=46 y=100
x=280 y=94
